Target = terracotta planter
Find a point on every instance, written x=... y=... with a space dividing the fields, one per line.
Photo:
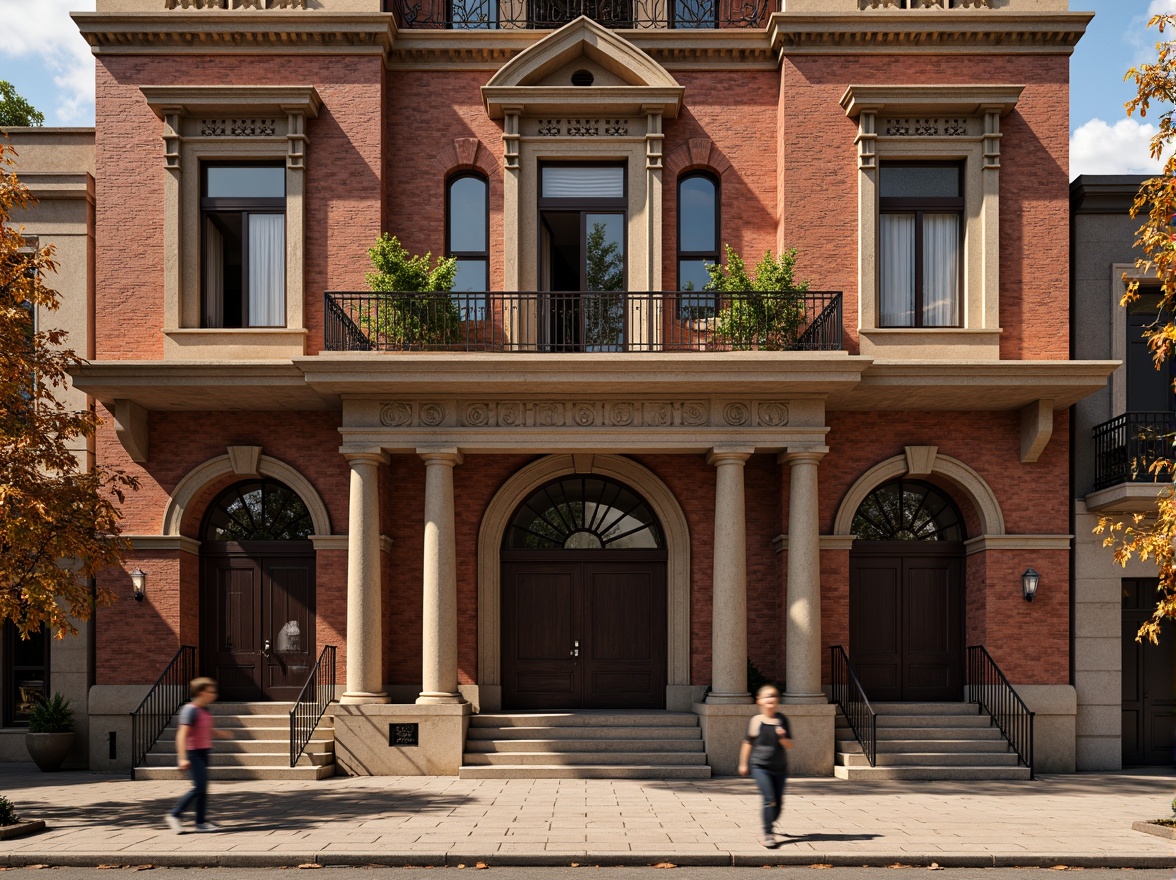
x=49 y=750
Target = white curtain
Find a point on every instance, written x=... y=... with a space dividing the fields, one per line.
x=214 y=275
x=897 y=259
x=941 y=270
x=267 y=270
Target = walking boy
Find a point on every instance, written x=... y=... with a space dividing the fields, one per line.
x=193 y=750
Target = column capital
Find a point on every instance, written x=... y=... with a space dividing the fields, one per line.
x=449 y=455
x=722 y=454
x=376 y=457
x=802 y=453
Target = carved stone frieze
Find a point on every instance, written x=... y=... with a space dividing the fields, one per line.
x=238 y=127
x=926 y=127
x=549 y=414
x=582 y=128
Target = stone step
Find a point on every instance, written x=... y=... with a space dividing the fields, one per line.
x=937 y=759
x=585 y=771
x=584 y=745
x=226 y=774
x=478 y=759
x=580 y=732
x=250 y=744
x=256 y=708
x=936 y=773
x=239 y=722
x=928 y=733
x=610 y=718
x=932 y=746
x=936 y=721
x=939 y=709
x=246 y=759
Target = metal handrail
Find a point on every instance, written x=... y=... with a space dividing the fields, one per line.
x=167 y=695
x=849 y=694
x=479 y=15
x=317 y=694
x=991 y=691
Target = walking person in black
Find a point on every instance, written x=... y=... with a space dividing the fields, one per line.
x=763 y=755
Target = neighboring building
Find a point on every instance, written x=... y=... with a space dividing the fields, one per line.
x=592 y=486
x=1126 y=690
x=57 y=166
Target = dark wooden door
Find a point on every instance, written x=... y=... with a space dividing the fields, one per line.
x=906 y=620
x=584 y=634
x=1149 y=682
x=257 y=618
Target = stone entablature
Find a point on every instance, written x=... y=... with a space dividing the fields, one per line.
x=578 y=414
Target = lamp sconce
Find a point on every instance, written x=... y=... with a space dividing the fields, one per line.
x=1029 y=581
x=139 y=583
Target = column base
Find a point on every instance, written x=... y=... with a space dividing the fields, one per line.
x=714 y=699
x=439 y=698
x=363 y=698
x=816 y=699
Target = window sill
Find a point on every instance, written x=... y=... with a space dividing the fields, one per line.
x=244 y=343
x=931 y=343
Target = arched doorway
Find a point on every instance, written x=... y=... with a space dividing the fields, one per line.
x=906 y=594
x=257 y=591
x=583 y=599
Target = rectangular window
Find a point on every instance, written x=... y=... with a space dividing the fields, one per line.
x=26 y=677
x=243 y=225
x=920 y=247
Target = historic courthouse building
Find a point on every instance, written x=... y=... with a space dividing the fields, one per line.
x=581 y=481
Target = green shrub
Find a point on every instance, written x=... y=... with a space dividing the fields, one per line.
x=7 y=812
x=51 y=715
x=771 y=309
x=401 y=320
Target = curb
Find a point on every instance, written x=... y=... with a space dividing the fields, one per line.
x=452 y=859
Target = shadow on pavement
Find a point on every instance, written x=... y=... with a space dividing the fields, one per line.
x=819 y=837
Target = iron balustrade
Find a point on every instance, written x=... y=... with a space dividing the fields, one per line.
x=316 y=695
x=991 y=691
x=583 y=322
x=542 y=14
x=1126 y=447
x=167 y=695
x=850 y=696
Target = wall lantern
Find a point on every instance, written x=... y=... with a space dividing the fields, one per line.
x=1029 y=584
x=139 y=583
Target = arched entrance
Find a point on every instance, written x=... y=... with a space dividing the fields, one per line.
x=257 y=591
x=583 y=599
x=906 y=594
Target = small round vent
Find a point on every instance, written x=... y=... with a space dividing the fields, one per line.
x=582 y=78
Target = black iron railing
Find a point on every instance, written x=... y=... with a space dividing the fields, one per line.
x=167 y=695
x=849 y=695
x=541 y=14
x=991 y=691
x=1126 y=447
x=317 y=694
x=583 y=322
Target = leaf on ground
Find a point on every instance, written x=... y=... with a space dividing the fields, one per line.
x=899 y=865
x=461 y=866
x=665 y=865
x=144 y=867
x=310 y=865
x=1059 y=867
x=109 y=867
x=482 y=866
x=36 y=867
x=822 y=865
x=575 y=864
x=934 y=866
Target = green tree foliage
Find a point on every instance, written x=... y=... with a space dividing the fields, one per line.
x=605 y=266
x=766 y=309
x=58 y=524
x=417 y=311
x=15 y=110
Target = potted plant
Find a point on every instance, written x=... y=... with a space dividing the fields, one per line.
x=51 y=732
x=764 y=311
x=416 y=311
x=11 y=825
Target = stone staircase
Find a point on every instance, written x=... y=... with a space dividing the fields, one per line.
x=944 y=741
x=609 y=744
x=259 y=749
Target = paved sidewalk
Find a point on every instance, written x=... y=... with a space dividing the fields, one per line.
x=1081 y=820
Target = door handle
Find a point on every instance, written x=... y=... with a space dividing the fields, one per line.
x=575 y=652
x=267 y=649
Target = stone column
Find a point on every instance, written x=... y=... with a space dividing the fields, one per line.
x=803 y=647
x=439 y=626
x=365 y=649
x=729 y=583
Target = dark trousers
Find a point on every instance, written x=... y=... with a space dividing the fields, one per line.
x=771 y=787
x=198 y=796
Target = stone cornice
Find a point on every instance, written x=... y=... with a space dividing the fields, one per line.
x=187 y=33
x=930 y=99
x=195 y=100
x=930 y=32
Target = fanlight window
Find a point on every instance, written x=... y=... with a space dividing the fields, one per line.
x=906 y=510
x=258 y=510
x=584 y=513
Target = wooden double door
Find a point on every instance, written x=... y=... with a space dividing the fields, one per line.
x=1149 y=681
x=257 y=618
x=906 y=633
x=584 y=630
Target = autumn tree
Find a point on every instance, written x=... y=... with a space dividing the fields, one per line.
x=1151 y=537
x=15 y=110
x=58 y=522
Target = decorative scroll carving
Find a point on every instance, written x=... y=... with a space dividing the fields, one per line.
x=238 y=127
x=926 y=127
x=616 y=127
x=394 y=415
x=549 y=127
x=583 y=127
x=736 y=414
x=773 y=414
x=580 y=414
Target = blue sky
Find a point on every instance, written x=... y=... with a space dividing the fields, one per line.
x=43 y=56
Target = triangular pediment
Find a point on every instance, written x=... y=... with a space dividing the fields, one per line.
x=540 y=78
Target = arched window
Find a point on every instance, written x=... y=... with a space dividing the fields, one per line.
x=908 y=510
x=257 y=510
x=467 y=237
x=584 y=513
x=698 y=242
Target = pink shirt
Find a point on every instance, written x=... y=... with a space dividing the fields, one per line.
x=199 y=724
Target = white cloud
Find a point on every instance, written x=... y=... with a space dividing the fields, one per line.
x=1161 y=7
x=42 y=30
x=1097 y=147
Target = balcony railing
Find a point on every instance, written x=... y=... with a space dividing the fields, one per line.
x=583 y=322
x=1126 y=447
x=620 y=14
